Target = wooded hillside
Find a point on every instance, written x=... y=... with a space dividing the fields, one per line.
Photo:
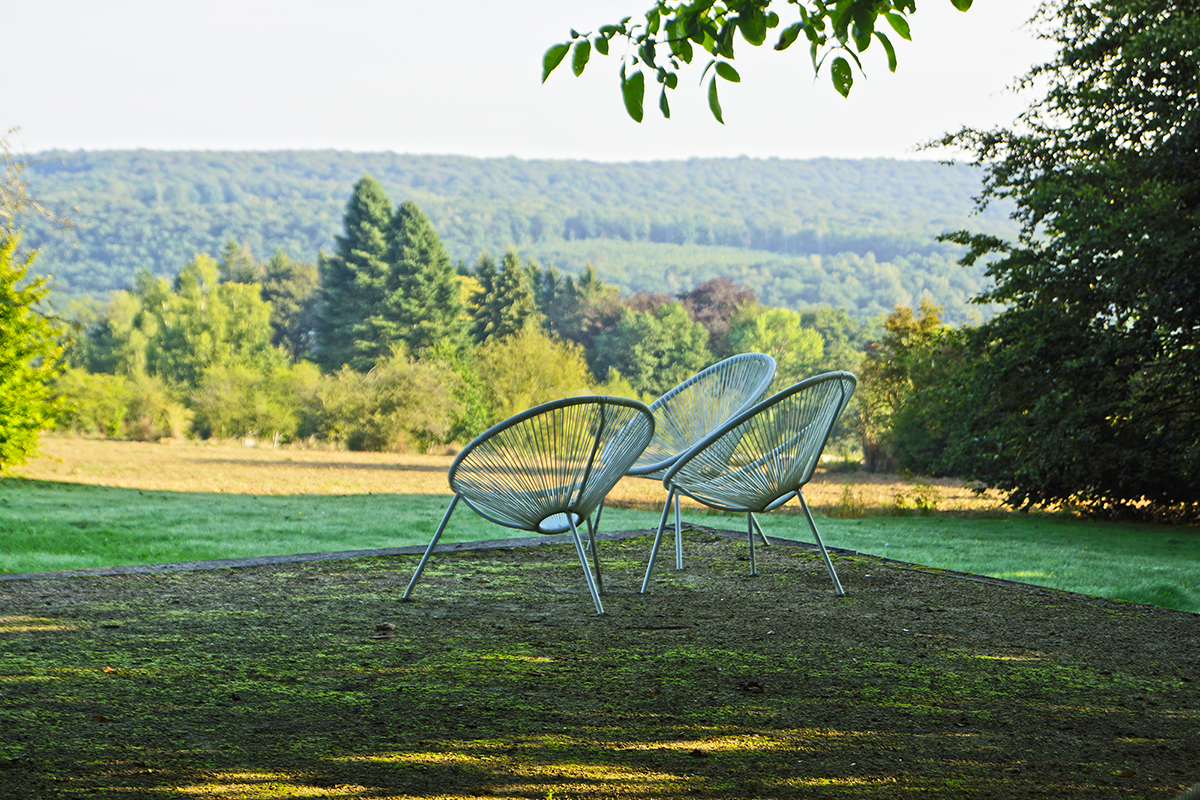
x=858 y=234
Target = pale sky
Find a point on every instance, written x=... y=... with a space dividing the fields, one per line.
x=464 y=78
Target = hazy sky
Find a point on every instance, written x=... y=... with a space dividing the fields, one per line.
x=464 y=78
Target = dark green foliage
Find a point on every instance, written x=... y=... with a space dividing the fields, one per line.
x=352 y=280
x=655 y=350
x=292 y=289
x=421 y=304
x=1086 y=388
x=683 y=30
x=587 y=308
x=237 y=263
x=859 y=234
x=28 y=356
x=507 y=301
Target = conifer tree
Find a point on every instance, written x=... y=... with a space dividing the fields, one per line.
x=352 y=279
x=421 y=304
x=506 y=302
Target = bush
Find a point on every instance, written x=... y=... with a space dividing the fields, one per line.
x=529 y=368
x=139 y=407
x=398 y=405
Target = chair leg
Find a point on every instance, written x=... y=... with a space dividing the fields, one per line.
x=766 y=542
x=587 y=572
x=599 y=509
x=662 y=523
x=595 y=556
x=429 y=550
x=750 y=525
x=837 y=585
x=678 y=535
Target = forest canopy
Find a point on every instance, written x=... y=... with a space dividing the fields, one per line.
x=859 y=234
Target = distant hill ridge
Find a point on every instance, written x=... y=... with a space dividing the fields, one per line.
x=859 y=234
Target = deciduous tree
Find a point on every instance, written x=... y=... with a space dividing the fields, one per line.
x=28 y=356
x=1086 y=386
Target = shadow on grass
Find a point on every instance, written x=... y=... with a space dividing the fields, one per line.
x=498 y=680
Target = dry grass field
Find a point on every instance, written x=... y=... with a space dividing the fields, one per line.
x=233 y=467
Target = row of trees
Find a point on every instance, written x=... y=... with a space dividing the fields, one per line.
x=385 y=344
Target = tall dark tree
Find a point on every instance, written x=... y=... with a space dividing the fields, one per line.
x=237 y=263
x=589 y=307
x=352 y=279
x=421 y=303
x=291 y=287
x=1086 y=388
x=506 y=301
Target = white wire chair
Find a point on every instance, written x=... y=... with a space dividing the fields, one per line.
x=547 y=469
x=692 y=410
x=762 y=458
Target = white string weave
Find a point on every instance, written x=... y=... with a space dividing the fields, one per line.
x=562 y=457
x=767 y=453
x=701 y=404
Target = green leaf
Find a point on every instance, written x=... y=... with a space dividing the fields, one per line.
x=899 y=25
x=843 y=76
x=648 y=53
x=790 y=34
x=685 y=51
x=714 y=104
x=672 y=80
x=891 y=51
x=663 y=106
x=961 y=5
x=583 y=51
x=553 y=58
x=602 y=45
x=753 y=24
x=653 y=19
x=633 y=90
x=726 y=71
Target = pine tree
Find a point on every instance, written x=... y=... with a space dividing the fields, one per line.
x=421 y=305
x=506 y=302
x=352 y=280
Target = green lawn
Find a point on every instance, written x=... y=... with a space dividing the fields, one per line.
x=52 y=526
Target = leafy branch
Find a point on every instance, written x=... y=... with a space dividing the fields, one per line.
x=671 y=33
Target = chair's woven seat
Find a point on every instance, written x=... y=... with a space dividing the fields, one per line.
x=763 y=457
x=547 y=469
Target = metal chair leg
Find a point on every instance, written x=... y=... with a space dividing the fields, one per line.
x=766 y=542
x=662 y=523
x=678 y=534
x=837 y=585
x=750 y=525
x=587 y=573
x=595 y=556
x=429 y=550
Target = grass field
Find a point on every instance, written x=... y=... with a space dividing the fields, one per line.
x=90 y=503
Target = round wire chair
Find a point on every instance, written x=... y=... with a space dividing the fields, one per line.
x=692 y=410
x=763 y=457
x=547 y=469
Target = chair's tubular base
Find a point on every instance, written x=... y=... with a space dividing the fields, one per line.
x=587 y=573
x=750 y=526
x=766 y=542
x=678 y=535
x=429 y=550
x=599 y=511
x=662 y=523
x=837 y=585
x=595 y=556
